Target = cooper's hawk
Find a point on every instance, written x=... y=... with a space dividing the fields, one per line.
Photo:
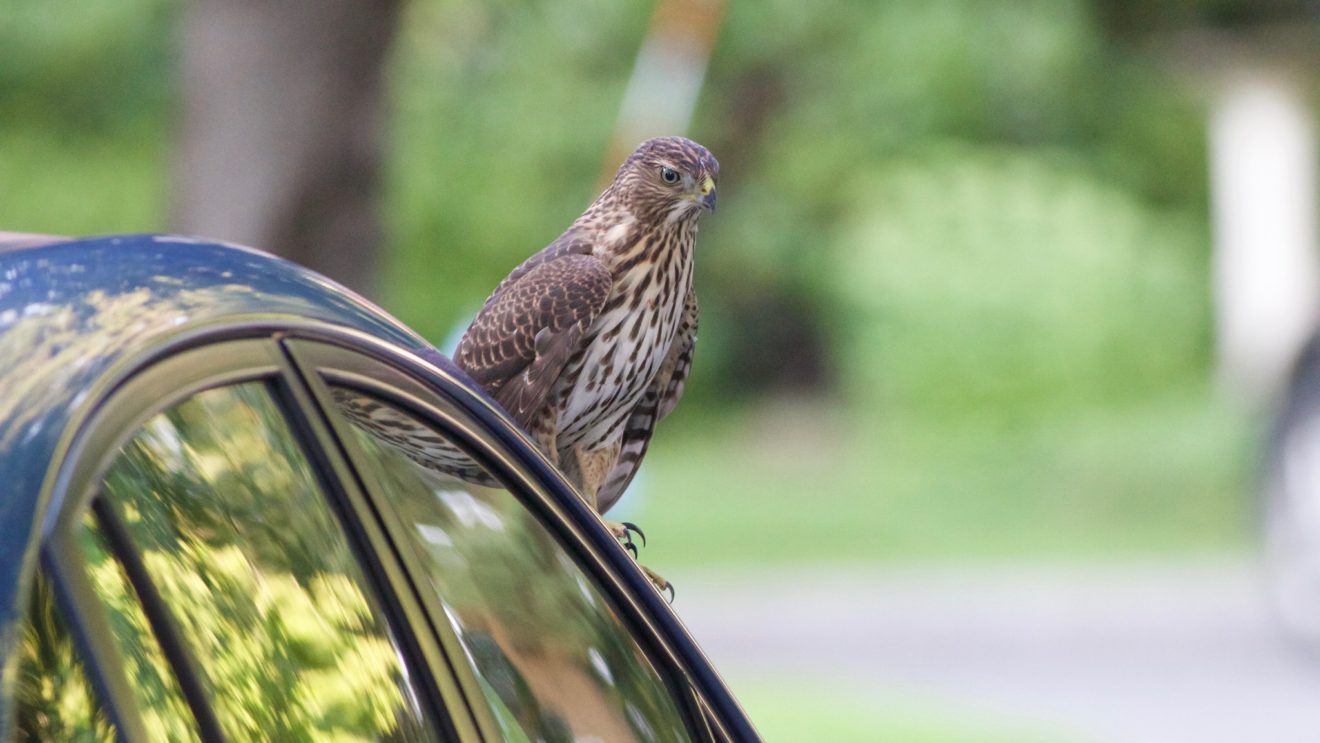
x=587 y=343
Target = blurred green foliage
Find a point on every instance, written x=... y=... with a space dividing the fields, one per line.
x=861 y=100
x=85 y=95
x=1094 y=297
x=798 y=484
x=979 y=228
x=105 y=69
x=55 y=698
x=262 y=583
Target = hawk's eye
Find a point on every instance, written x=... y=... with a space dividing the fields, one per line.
x=669 y=175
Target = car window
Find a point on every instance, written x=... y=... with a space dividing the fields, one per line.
x=237 y=537
x=554 y=660
x=53 y=697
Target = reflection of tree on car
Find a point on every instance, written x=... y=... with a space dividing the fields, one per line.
x=260 y=579
x=57 y=700
x=520 y=715
x=541 y=628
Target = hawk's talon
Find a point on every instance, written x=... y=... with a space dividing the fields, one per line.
x=623 y=532
x=630 y=526
x=659 y=582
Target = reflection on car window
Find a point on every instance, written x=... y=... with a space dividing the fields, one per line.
x=54 y=699
x=555 y=661
x=239 y=540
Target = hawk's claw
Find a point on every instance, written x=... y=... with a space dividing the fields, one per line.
x=622 y=531
x=630 y=526
x=659 y=582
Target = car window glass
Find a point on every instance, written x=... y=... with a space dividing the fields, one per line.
x=53 y=697
x=239 y=540
x=555 y=661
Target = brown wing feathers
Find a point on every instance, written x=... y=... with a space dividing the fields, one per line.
x=524 y=395
x=530 y=327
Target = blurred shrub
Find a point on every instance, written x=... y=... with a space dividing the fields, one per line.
x=992 y=281
x=824 y=117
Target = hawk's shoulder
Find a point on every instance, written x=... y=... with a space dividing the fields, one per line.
x=533 y=323
x=574 y=241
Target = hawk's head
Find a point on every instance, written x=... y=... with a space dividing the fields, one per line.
x=667 y=179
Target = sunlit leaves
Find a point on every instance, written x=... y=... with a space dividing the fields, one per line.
x=54 y=699
x=239 y=541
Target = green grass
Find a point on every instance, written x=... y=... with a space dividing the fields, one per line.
x=801 y=484
x=786 y=710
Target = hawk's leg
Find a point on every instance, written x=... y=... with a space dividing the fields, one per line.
x=593 y=467
x=545 y=438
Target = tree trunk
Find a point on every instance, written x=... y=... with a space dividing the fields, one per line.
x=280 y=142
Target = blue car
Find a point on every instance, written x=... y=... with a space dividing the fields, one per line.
x=238 y=502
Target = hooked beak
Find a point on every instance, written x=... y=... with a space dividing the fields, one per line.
x=708 y=193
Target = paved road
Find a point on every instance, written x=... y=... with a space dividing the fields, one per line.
x=1169 y=653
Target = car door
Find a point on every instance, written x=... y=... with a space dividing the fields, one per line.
x=312 y=536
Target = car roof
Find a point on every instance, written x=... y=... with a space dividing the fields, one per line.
x=71 y=310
